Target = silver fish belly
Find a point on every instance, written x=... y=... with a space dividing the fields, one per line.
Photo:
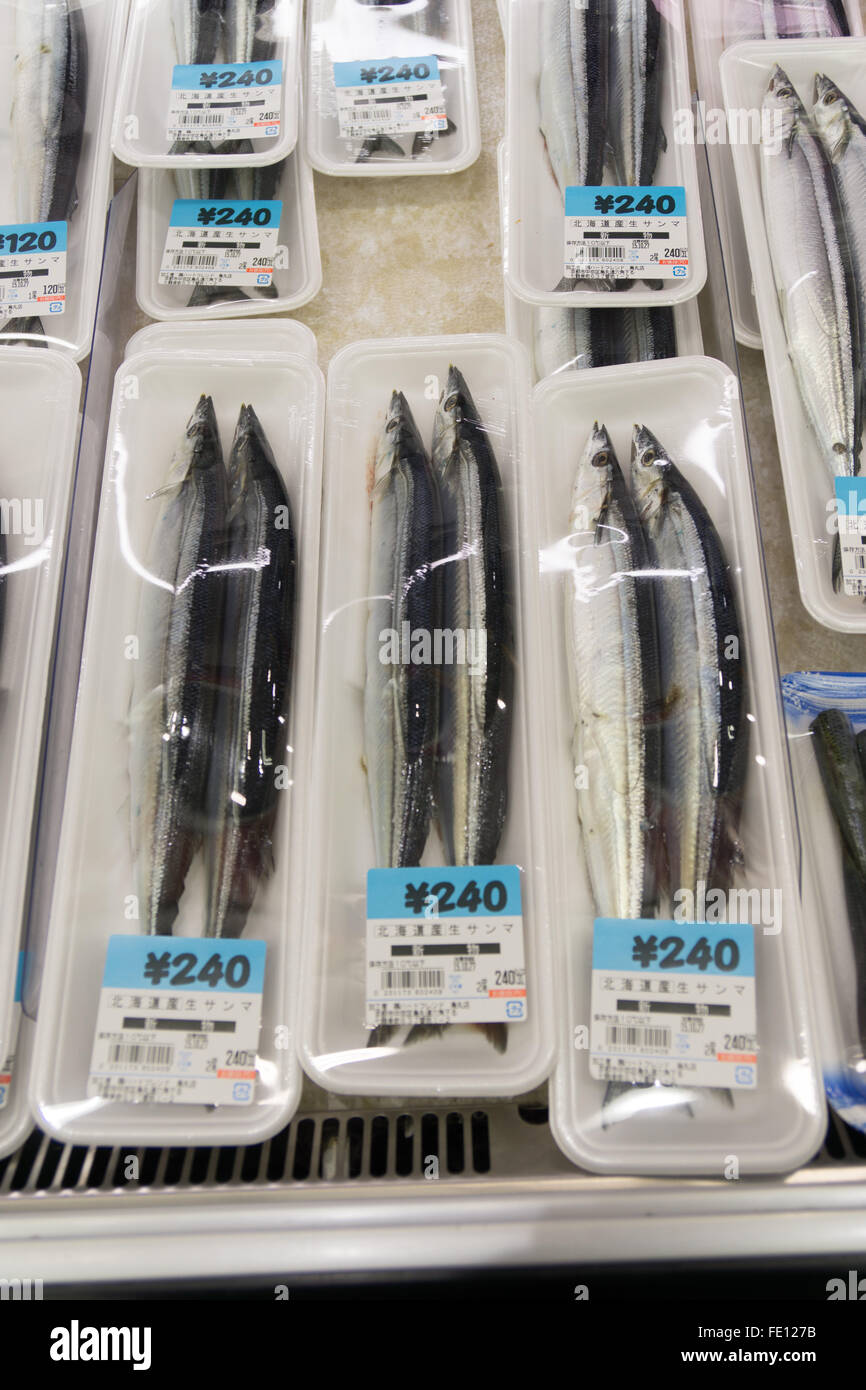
x=613 y=675
x=172 y=700
x=48 y=113
x=809 y=252
x=634 y=93
x=572 y=91
x=400 y=695
x=843 y=132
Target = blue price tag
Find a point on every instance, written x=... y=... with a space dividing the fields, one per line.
x=444 y=892
x=186 y=964
x=647 y=945
x=382 y=71
x=186 y=212
x=851 y=496
x=32 y=238
x=613 y=201
x=223 y=77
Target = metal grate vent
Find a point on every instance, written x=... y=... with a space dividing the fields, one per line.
x=506 y=1139
x=313 y=1148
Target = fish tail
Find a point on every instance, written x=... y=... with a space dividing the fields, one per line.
x=496 y=1034
x=381 y=1035
x=205 y=295
x=31 y=327
x=423 y=1032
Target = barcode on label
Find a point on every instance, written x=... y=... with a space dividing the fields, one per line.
x=621 y=1036
x=413 y=979
x=151 y=1055
x=602 y=253
x=200 y=118
x=190 y=260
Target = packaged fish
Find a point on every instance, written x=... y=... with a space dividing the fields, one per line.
x=16 y=1120
x=685 y=1037
x=166 y=1012
x=391 y=87
x=58 y=66
x=801 y=191
x=558 y=339
x=39 y=400
x=283 y=335
x=603 y=202
x=209 y=83
x=227 y=243
x=715 y=28
x=426 y=955
x=826 y=714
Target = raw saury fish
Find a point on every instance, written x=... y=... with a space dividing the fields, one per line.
x=250 y=723
x=180 y=621
x=783 y=19
x=704 y=730
x=811 y=263
x=843 y=132
x=613 y=667
x=48 y=113
x=838 y=753
x=601 y=337
x=634 y=128
x=572 y=91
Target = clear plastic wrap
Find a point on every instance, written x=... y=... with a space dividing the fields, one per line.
x=590 y=144
x=52 y=211
x=415 y=427
x=205 y=82
x=668 y=786
x=813 y=365
x=297 y=266
x=284 y=335
x=418 y=58
x=192 y=743
x=826 y=713
x=557 y=339
x=714 y=28
x=39 y=399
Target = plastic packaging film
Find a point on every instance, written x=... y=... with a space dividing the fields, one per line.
x=391 y=88
x=572 y=128
x=826 y=715
x=810 y=289
x=715 y=28
x=39 y=398
x=176 y=900
x=667 y=769
x=425 y=687
x=204 y=85
x=52 y=209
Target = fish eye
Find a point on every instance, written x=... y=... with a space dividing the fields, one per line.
x=602 y=459
x=830 y=98
x=650 y=456
x=840 y=449
x=449 y=402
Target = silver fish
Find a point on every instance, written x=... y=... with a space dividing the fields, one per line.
x=197 y=27
x=250 y=720
x=400 y=696
x=249 y=30
x=613 y=669
x=601 y=337
x=783 y=19
x=634 y=90
x=572 y=91
x=180 y=617
x=843 y=132
x=811 y=265
x=702 y=659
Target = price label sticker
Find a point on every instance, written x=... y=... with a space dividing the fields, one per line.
x=851 y=514
x=32 y=269
x=178 y=1021
x=221 y=243
x=626 y=234
x=397 y=96
x=225 y=101
x=7 y=1063
x=445 y=946
x=674 y=1002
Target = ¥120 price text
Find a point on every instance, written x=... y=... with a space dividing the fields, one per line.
x=20 y=243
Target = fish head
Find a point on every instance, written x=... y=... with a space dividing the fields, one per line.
x=399 y=432
x=782 y=112
x=455 y=406
x=650 y=469
x=251 y=456
x=592 y=483
x=832 y=113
